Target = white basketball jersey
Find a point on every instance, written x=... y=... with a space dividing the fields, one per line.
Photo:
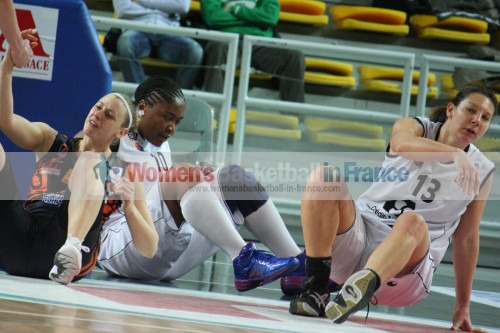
x=117 y=254
x=430 y=188
x=147 y=162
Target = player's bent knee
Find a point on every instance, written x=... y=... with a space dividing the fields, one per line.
x=414 y=223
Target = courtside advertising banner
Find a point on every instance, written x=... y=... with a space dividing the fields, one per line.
x=45 y=21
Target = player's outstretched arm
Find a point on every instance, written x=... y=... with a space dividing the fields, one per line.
x=465 y=254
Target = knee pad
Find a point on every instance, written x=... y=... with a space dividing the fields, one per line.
x=240 y=189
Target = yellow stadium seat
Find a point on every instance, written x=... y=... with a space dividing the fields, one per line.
x=310 y=12
x=351 y=24
x=454 y=36
x=317 y=20
x=368 y=14
x=321 y=71
x=329 y=66
x=313 y=124
x=451 y=23
x=373 y=19
x=279 y=133
x=349 y=141
x=307 y=7
x=272 y=119
x=388 y=73
x=395 y=88
x=454 y=28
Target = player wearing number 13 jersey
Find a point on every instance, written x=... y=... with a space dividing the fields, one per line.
x=427 y=189
x=385 y=245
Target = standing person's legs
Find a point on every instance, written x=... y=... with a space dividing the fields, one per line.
x=132 y=46
x=289 y=65
x=184 y=51
x=215 y=56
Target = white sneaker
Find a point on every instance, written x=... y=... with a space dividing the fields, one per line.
x=68 y=261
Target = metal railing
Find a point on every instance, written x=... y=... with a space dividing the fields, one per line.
x=343 y=52
x=223 y=98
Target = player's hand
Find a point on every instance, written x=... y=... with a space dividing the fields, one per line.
x=124 y=189
x=467 y=177
x=23 y=52
x=461 y=321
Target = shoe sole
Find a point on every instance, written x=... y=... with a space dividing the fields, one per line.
x=302 y=309
x=249 y=284
x=59 y=278
x=339 y=314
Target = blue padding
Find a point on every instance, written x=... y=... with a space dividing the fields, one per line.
x=81 y=74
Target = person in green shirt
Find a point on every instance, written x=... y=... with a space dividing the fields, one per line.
x=252 y=17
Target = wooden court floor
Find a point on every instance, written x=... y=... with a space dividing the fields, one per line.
x=107 y=305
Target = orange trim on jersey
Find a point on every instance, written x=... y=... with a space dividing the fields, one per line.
x=88 y=267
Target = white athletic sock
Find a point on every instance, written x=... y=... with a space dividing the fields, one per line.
x=268 y=226
x=205 y=211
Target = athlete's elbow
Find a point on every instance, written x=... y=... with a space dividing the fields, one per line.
x=399 y=145
x=150 y=253
x=149 y=249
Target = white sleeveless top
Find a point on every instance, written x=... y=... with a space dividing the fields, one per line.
x=148 y=162
x=429 y=188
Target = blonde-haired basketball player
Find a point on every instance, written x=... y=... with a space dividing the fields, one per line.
x=62 y=214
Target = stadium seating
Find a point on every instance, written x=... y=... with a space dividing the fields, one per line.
x=309 y=12
x=387 y=79
x=380 y=20
x=454 y=28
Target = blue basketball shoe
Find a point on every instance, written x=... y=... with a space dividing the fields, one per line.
x=293 y=283
x=254 y=268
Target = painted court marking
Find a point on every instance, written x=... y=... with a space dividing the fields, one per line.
x=236 y=311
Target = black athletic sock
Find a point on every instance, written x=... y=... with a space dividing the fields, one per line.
x=319 y=269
